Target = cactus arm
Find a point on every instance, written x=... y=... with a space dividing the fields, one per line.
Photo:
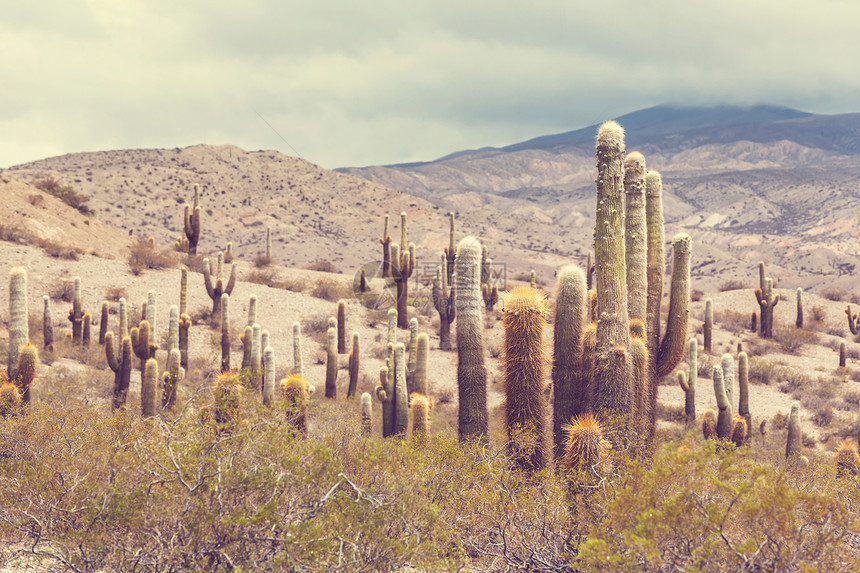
x=232 y=282
x=672 y=347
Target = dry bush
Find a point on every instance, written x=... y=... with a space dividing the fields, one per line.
x=696 y=295
x=834 y=293
x=265 y=276
x=732 y=284
x=113 y=294
x=330 y=290
x=62 y=290
x=262 y=261
x=792 y=339
x=294 y=284
x=194 y=263
x=59 y=250
x=672 y=413
x=143 y=255
x=36 y=200
x=321 y=266
x=67 y=194
x=732 y=321
x=817 y=314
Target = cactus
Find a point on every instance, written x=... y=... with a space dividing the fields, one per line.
x=103 y=322
x=794 y=440
x=341 y=327
x=173 y=329
x=798 y=322
x=420 y=414
x=228 y=253
x=331 y=364
x=589 y=271
x=184 y=325
x=842 y=354
x=123 y=318
x=385 y=241
x=148 y=385
x=739 y=431
x=152 y=314
x=192 y=223
x=28 y=367
x=471 y=373
x=639 y=357
x=10 y=399
x=19 y=328
x=853 y=321
x=847 y=459
x=121 y=367
x=297 y=349
x=753 y=322
x=269 y=376
x=767 y=301
x=183 y=292
x=256 y=357
x=216 y=289
x=297 y=394
x=171 y=379
x=709 y=324
x=87 y=330
x=450 y=254
x=690 y=391
x=366 y=414
x=245 y=339
x=392 y=325
x=140 y=343
x=354 y=365
x=252 y=310
x=526 y=409
x=672 y=345
x=410 y=349
x=47 y=325
x=385 y=394
x=402 y=266
x=743 y=391
x=443 y=302
x=268 y=243
x=589 y=350
x=76 y=315
x=635 y=236
x=612 y=361
x=709 y=424
x=585 y=447
x=225 y=333
x=727 y=363
x=422 y=352
x=226 y=402
x=724 y=418
x=401 y=398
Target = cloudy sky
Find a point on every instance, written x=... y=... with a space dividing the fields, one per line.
x=385 y=81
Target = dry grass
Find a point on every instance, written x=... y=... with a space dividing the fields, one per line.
x=144 y=255
x=330 y=290
x=732 y=284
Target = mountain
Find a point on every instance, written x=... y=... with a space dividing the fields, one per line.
x=764 y=182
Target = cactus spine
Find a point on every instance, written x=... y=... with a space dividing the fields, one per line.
x=526 y=408
x=443 y=301
x=585 y=455
x=847 y=459
x=216 y=289
x=635 y=236
x=121 y=368
x=798 y=322
x=420 y=415
x=471 y=373
x=171 y=379
x=269 y=376
x=76 y=316
x=28 y=366
x=297 y=394
x=225 y=332
x=724 y=418
x=192 y=223
x=568 y=389
x=47 y=325
x=341 y=327
x=612 y=361
x=709 y=323
x=103 y=322
x=794 y=442
x=744 y=391
x=331 y=364
x=297 y=349
x=366 y=414
x=148 y=387
x=354 y=365
x=401 y=398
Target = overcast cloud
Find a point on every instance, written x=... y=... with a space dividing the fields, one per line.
x=358 y=83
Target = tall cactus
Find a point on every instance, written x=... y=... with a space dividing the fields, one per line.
x=613 y=366
x=76 y=316
x=192 y=222
x=690 y=390
x=402 y=267
x=256 y=357
x=727 y=363
x=401 y=398
x=331 y=364
x=183 y=291
x=354 y=365
x=103 y=322
x=216 y=289
x=297 y=394
x=725 y=416
x=297 y=349
x=640 y=363
x=123 y=318
x=121 y=367
x=341 y=327
x=385 y=394
x=443 y=301
x=767 y=301
x=472 y=422
x=420 y=415
x=171 y=379
x=224 y=307
x=19 y=333
x=152 y=313
x=422 y=352
x=744 y=391
x=635 y=235
x=526 y=408
x=568 y=389
x=184 y=326
x=269 y=244
x=450 y=253
x=47 y=325
x=86 y=330
x=252 y=310
x=385 y=241
x=366 y=414
x=709 y=323
x=28 y=367
x=794 y=441
x=173 y=329
x=798 y=322
x=148 y=386
x=269 y=376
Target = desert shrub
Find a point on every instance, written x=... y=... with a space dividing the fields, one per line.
x=15 y=234
x=67 y=194
x=36 y=200
x=697 y=506
x=113 y=294
x=734 y=322
x=696 y=295
x=294 y=284
x=262 y=261
x=672 y=413
x=852 y=397
x=322 y=266
x=264 y=276
x=792 y=339
x=330 y=290
x=834 y=293
x=62 y=290
x=732 y=284
x=144 y=255
x=817 y=314
x=765 y=371
x=193 y=263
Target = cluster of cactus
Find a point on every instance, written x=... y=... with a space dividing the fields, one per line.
x=767 y=301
